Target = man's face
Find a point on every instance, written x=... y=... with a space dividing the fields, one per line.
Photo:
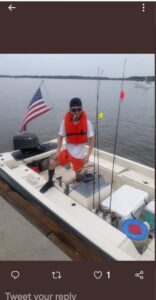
x=76 y=112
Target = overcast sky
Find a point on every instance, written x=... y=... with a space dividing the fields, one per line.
x=77 y=64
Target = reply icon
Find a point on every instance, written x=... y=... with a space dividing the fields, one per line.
x=15 y=274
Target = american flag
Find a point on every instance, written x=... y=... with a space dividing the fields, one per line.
x=36 y=108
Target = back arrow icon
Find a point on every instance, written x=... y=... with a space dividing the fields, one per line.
x=10 y=7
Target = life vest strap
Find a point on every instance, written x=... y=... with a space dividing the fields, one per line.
x=77 y=133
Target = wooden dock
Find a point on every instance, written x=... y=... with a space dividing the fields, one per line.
x=72 y=245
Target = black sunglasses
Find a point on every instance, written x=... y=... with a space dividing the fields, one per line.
x=75 y=109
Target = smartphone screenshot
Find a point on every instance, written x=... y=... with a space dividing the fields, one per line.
x=77 y=150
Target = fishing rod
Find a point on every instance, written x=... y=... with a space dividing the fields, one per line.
x=122 y=95
x=99 y=78
x=98 y=92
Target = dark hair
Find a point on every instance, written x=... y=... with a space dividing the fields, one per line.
x=75 y=102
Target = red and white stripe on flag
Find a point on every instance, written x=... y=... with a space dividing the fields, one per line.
x=36 y=108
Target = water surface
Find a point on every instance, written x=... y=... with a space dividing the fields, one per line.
x=136 y=127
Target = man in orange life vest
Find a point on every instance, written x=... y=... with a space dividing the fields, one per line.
x=78 y=131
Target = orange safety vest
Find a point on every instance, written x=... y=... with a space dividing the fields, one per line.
x=76 y=133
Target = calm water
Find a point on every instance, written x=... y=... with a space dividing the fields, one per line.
x=136 y=128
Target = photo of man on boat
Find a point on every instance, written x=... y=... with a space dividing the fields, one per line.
x=81 y=165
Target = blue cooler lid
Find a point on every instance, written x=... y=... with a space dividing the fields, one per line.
x=135 y=229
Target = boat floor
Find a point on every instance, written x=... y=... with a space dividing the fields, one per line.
x=118 y=180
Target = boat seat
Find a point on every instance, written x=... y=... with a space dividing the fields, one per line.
x=68 y=175
x=105 y=164
x=138 y=177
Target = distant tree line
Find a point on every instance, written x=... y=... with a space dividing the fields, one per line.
x=132 y=78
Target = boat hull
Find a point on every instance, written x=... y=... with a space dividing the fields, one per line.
x=110 y=242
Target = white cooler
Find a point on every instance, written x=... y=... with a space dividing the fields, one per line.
x=126 y=202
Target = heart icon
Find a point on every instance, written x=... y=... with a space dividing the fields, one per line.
x=97 y=274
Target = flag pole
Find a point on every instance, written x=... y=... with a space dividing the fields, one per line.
x=43 y=82
x=122 y=94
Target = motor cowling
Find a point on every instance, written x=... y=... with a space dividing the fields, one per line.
x=25 y=141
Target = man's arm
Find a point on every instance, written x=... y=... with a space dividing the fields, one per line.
x=90 y=148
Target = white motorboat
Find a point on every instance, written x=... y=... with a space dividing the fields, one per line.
x=115 y=216
x=144 y=84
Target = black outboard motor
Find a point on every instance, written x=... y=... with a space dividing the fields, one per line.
x=26 y=142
